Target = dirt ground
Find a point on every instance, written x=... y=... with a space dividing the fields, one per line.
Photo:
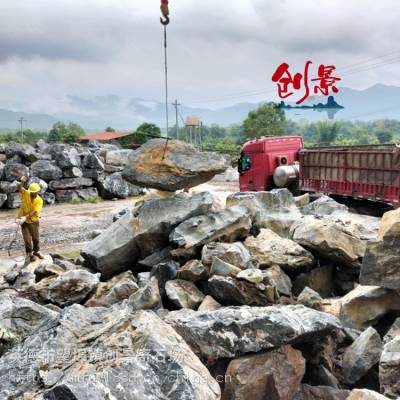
x=65 y=227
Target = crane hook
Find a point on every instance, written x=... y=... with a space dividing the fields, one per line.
x=164 y=21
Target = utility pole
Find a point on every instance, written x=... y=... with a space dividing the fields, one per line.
x=176 y=105
x=21 y=121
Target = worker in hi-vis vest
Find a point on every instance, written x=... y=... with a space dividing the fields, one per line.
x=29 y=216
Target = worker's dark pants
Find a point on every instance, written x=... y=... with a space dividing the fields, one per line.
x=30 y=233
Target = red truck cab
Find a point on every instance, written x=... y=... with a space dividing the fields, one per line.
x=260 y=157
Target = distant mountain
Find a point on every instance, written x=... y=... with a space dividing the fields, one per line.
x=9 y=120
x=377 y=102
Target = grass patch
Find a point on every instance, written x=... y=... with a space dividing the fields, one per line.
x=77 y=202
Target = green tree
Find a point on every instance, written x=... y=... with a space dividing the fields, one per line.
x=384 y=136
x=65 y=133
x=326 y=132
x=109 y=129
x=149 y=129
x=268 y=119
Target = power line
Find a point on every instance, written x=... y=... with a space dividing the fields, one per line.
x=176 y=105
x=21 y=121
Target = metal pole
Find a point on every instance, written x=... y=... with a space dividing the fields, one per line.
x=176 y=105
x=166 y=78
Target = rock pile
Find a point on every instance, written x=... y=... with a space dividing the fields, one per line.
x=65 y=172
x=178 y=301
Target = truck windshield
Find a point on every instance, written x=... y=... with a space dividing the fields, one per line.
x=244 y=163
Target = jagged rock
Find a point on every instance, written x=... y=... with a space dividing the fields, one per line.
x=365 y=394
x=42 y=146
x=390 y=222
x=275 y=210
x=310 y=298
x=16 y=159
x=382 y=258
x=231 y=291
x=277 y=278
x=46 y=170
x=135 y=190
x=164 y=272
x=234 y=331
x=172 y=165
x=114 y=291
x=364 y=305
x=65 y=156
x=118 y=157
x=251 y=275
x=193 y=271
x=13 y=172
x=92 y=161
x=319 y=279
x=232 y=253
x=184 y=294
x=142 y=231
x=393 y=331
x=155 y=258
x=19 y=318
x=269 y=249
x=70 y=183
x=113 y=186
x=361 y=356
x=209 y=304
x=25 y=151
x=302 y=200
x=147 y=297
x=9 y=187
x=64 y=289
x=308 y=392
x=389 y=369
x=222 y=268
x=13 y=200
x=86 y=194
x=229 y=225
x=111 y=353
x=92 y=174
x=259 y=376
x=49 y=198
x=329 y=239
x=2 y=166
x=3 y=199
x=73 y=172
x=324 y=205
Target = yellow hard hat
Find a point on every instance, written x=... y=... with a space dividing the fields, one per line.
x=34 y=188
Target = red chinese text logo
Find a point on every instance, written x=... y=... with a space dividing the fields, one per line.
x=288 y=83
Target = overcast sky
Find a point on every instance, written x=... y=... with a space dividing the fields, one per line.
x=220 y=51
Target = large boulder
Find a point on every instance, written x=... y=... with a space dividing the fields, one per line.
x=329 y=239
x=259 y=376
x=46 y=170
x=142 y=231
x=361 y=356
x=228 y=225
x=14 y=172
x=324 y=205
x=19 y=318
x=70 y=183
x=275 y=210
x=85 y=194
x=9 y=187
x=147 y=297
x=105 y=353
x=234 y=331
x=269 y=249
x=193 y=271
x=93 y=161
x=13 y=200
x=184 y=294
x=308 y=392
x=172 y=165
x=3 y=199
x=382 y=258
x=365 y=305
x=365 y=394
x=233 y=253
x=392 y=332
x=389 y=369
x=113 y=186
x=25 y=151
x=118 y=157
x=231 y=291
x=65 y=156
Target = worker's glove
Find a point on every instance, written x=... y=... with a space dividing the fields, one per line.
x=20 y=221
x=24 y=179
